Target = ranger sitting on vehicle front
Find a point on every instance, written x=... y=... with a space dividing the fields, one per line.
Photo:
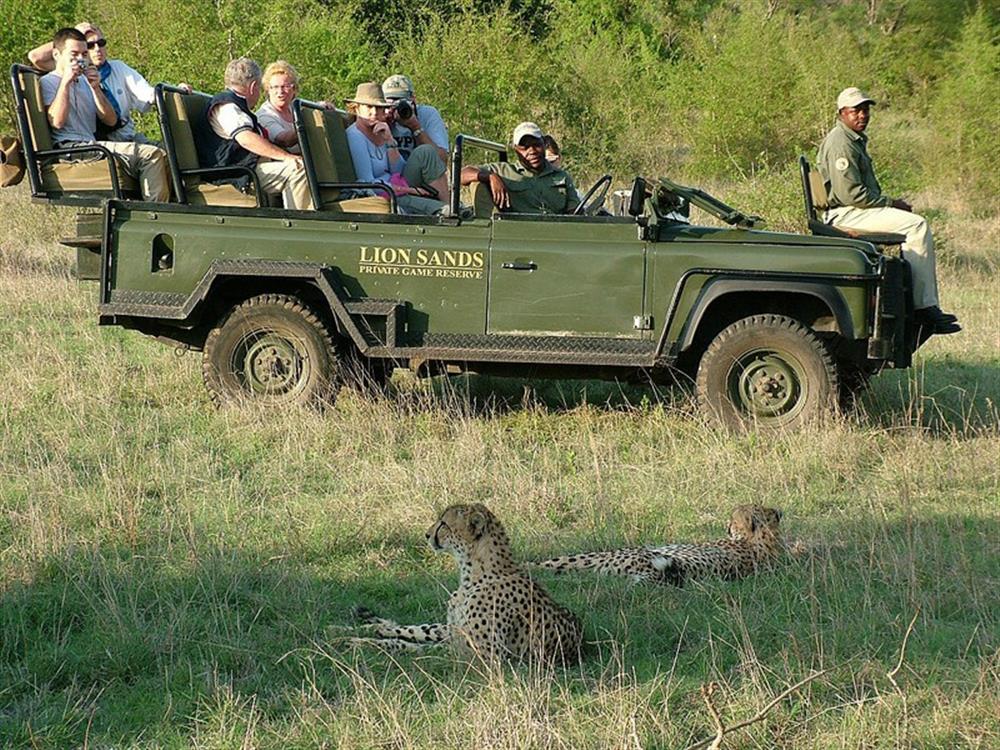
x=532 y=185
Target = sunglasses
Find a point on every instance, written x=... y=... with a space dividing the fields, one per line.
x=102 y=43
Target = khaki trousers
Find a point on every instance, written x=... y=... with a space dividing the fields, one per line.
x=146 y=163
x=288 y=179
x=918 y=249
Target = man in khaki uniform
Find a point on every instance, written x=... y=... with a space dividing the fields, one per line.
x=531 y=185
x=857 y=202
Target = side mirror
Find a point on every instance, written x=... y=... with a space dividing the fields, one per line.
x=637 y=201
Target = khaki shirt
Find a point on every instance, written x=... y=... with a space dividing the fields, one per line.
x=550 y=191
x=847 y=170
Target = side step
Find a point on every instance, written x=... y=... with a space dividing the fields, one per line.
x=390 y=310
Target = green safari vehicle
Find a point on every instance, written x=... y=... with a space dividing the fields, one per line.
x=287 y=306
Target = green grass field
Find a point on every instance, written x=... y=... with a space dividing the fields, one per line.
x=176 y=576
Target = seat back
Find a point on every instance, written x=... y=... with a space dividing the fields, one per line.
x=327 y=158
x=28 y=84
x=482 y=201
x=177 y=111
x=814 y=190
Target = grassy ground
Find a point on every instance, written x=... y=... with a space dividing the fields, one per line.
x=172 y=575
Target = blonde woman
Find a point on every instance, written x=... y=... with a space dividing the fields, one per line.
x=281 y=84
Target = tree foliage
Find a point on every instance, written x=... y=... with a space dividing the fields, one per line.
x=706 y=89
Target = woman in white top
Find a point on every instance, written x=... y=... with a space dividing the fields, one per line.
x=281 y=84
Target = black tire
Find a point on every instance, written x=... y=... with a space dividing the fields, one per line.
x=274 y=350
x=769 y=372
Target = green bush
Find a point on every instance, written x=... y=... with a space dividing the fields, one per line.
x=966 y=117
x=483 y=72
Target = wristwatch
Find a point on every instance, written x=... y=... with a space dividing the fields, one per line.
x=417 y=132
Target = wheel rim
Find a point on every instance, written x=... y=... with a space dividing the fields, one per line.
x=767 y=384
x=270 y=364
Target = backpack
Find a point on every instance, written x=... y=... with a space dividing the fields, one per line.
x=11 y=161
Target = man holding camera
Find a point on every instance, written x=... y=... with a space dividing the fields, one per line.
x=76 y=102
x=413 y=125
x=125 y=88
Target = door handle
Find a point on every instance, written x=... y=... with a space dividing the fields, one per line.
x=520 y=266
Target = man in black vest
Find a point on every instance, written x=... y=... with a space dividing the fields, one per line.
x=229 y=135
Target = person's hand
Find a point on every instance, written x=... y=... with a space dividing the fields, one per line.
x=185 y=87
x=501 y=198
x=297 y=158
x=326 y=105
x=383 y=133
x=411 y=123
x=68 y=70
x=93 y=77
x=901 y=205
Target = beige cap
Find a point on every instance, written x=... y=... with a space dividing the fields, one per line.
x=852 y=97
x=369 y=93
x=397 y=86
x=526 y=128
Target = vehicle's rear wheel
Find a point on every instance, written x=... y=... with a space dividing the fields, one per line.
x=274 y=350
x=769 y=372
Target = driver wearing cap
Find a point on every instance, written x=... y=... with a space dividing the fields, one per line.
x=857 y=202
x=531 y=185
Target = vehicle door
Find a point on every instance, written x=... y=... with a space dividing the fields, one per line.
x=566 y=275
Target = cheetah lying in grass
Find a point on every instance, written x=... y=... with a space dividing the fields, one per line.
x=497 y=611
x=754 y=543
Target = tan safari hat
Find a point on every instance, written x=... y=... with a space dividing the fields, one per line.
x=852 y=97
x=369 y=93
x=397 y=86
x=524 y=129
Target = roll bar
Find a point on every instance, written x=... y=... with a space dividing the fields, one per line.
x=456 y=163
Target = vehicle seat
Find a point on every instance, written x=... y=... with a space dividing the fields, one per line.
x=50 y=177
x=192 y=184
x=328 y=162
x=816 y=198
x=483 y=206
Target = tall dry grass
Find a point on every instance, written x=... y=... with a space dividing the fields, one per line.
x=176 y=576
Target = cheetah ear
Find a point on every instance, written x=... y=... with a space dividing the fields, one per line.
x=477 y=523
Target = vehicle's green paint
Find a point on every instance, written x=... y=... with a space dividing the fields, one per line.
x=579 y=278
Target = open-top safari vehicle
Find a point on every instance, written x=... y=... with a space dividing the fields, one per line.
x=287 y=306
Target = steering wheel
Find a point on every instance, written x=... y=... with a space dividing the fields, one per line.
x=591 y=202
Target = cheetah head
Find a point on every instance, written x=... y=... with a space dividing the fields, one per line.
x=466 y=530
x=749 y=521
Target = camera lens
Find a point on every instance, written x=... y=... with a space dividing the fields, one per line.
x=404 y=110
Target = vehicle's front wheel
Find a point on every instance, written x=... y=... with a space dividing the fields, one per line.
x=767 y=371
x=274 y=350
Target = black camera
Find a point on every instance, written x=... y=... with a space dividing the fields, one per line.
x=403 y=109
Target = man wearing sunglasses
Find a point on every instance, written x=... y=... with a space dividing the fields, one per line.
x=125 y=89
x=531 y=185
